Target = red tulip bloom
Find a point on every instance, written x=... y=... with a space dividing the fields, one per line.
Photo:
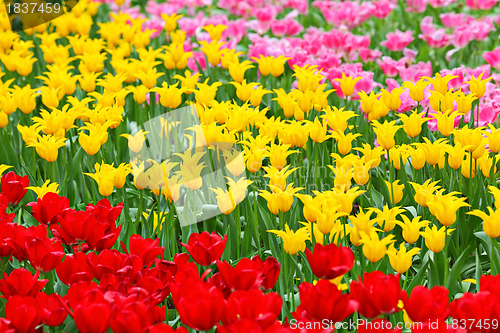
x=145 y=248
x=104 y=212
x=426 y=305
x=330 y=261
x=475 y=310
x=92 y=311
x=377 y=294
x=205 y=248
x=133 y=317
x=24 y=313
x=253 y=305
x=5 y=326
x=24 y=235
x=53 y=312
x=107 y=262
x=45 y=254
x=93 y=315
x=74 y=268
x=21 y=282
x=101 y=234
x=325 y=301
x=14 y=187
x=80 y=291
x=492 y=284
x=270 y=271
x=4 y=217
x=200 y=304
x=7 y=236
x=69 y=225
x=244 y=276
x=46 y=209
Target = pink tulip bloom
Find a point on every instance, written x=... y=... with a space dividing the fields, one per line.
x=441 y=3
x=382 y=8
x=452 y=20
x=390 y=67
x=410 y=54
x=493 y=58
x=302 y=6
x=369 y=55
x=481 y=4
x=414 y=72
x=460 y=37
x=398 y=40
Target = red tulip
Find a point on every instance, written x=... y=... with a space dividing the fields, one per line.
x=475 y=310
x=200 y=304
x=101 y=234
x=253 y=305
x=104 y=212
x=24 y=235
x=107 y=262
x=45 y=254
x=69 y=226
x=244 y=276
x=7 y=236
x=46 y=209
x=377 y=294
x=24 y=313
x=492 y=284
x=53 y=312
x=133 y=317
x=14 y=187
x=82 y=290
x=270 y=271
x=330 y=261
x=4 y=217
x=325 y=301
x=205 y=248
x=6 y=326
x=21 y=282
x=146 y=248
x=426 y=305
x=93 y=316
x=74 y=268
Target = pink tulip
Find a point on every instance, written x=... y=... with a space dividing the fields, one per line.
x=390 y=67
x=493 y=58
x=398 y=40
x=481 y=4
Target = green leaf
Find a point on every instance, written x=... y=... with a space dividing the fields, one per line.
x=456 y=272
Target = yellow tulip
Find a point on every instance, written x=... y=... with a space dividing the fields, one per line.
x=400 y=259
x=293 y=242
x=375 y=248
x=411 y=228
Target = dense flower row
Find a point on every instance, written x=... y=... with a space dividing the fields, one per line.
x=127 y=291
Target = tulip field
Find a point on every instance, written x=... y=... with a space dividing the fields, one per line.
x=241 y=166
